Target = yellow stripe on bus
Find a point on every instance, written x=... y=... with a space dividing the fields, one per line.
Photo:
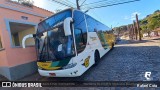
x=46 y=65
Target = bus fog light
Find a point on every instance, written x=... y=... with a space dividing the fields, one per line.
x=70 y=66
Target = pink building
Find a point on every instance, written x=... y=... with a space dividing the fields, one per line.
x=16 y=21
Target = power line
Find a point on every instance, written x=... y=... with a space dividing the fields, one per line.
x=112 y=4
x=83 y=2
x=70 y=2
x=61 y=3
x=95 y=2
x=98 y=4
x=104 y=2
x=64 y=3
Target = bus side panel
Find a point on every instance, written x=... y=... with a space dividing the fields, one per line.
x=97 y=32
x=84 y=61
x=95 y=44
x=85 y=55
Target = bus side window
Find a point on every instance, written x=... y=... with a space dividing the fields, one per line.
x=80 y=43
x=80 y=31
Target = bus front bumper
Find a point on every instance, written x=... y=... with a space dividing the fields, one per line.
x=73 y=72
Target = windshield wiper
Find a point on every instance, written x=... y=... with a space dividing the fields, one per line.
x=42 y=55
x=42 y=51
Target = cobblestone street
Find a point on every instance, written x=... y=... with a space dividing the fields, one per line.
x=128 y=61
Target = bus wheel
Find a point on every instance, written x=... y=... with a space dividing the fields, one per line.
x=96 y=57
x=112 y=46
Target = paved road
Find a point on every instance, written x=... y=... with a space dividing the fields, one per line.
x=128 y=61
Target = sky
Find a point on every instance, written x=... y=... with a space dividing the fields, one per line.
x=111 y=16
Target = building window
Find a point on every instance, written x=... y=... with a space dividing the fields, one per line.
x=0 y=43
x=24 y=17
x=18 y=31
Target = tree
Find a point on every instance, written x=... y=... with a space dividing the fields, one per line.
x=157 y=11
x=144 y=26
x=154 y=21
x=151 y=22
x=26 y=2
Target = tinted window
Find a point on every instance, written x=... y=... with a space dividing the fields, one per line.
x=80 y=31
x=100 y=29
x=91 y=24
x=94 y=25
x=53 y=21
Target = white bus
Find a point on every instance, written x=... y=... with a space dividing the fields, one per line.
x=69 y=43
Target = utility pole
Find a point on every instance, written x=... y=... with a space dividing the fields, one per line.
x=130 y=32
x=133 y=32
x=138 y=28
x=78 y=7
x=135 y=29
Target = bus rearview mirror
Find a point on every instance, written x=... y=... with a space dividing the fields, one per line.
x=25 y=38
x=67 y=26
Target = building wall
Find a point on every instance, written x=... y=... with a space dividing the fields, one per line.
x=14 y=57
x=34 y=10
x=0 y=43
x=3 y=55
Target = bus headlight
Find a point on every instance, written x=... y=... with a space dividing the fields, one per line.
x=70 y=66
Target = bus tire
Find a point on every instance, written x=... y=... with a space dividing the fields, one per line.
x=112 y=46
x=96 y=57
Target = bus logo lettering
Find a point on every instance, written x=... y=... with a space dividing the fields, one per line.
x=86 y=62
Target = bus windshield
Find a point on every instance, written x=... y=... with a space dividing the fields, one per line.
x=52 y=44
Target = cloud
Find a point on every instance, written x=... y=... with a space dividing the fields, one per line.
x=133 y=15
